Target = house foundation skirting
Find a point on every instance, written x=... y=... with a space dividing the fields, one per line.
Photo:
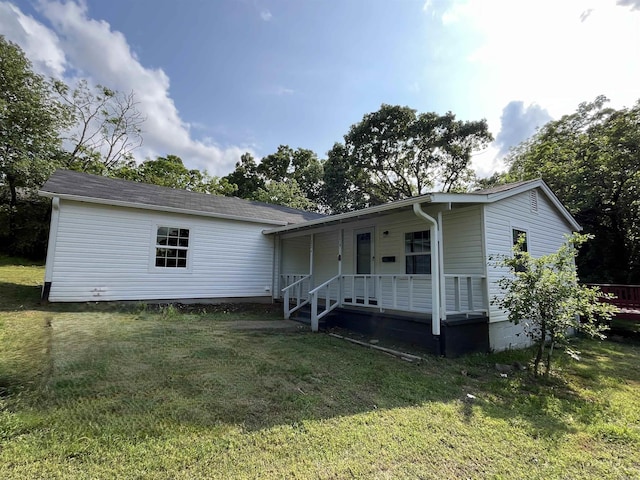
x=459 y=335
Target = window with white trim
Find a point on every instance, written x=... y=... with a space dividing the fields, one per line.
x=515 y=235
x=172 y=247
x=417 y=251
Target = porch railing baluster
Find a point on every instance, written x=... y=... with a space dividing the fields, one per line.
x=407 y=293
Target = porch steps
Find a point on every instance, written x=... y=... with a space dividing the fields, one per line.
x=304 y=316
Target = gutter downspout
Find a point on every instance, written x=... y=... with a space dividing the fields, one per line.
x=435 y=269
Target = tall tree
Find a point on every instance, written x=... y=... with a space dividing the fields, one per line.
x=591 y=160
x=286 y=177
x=286 y=192
x=246 y=177
x=107 y=127
x=307 y=171
x=395 y=153
x=30 y=121
x=170 y=172
x=339 y=192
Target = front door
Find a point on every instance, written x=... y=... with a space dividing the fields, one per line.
x=364 y=286
x=364 y=252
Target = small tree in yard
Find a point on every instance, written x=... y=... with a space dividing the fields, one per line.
x=544 y=294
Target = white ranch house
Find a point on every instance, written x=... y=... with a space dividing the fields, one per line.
x=417 y=269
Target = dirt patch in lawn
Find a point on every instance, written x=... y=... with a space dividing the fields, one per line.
x=266 y=325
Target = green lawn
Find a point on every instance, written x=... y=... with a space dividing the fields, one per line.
x=103 y=391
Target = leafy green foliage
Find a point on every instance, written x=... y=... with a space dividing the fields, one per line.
x=286 y=192
x=591 y=160
x=395 y=153
x=45 y=125
x=287 y=177
x=544 y=295
x=170 y=172
x=246 y=177
x=30 y=119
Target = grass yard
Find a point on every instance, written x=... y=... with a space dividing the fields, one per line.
x=104 y=391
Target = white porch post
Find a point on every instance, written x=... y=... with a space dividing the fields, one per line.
x=340 y=281
x=435 y=269
x=443 y=292
x=276 y=268
x=311 y=244
x=314 y=297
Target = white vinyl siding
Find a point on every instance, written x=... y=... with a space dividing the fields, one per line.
x=462 y=237
x=105 y=253
x=295 y=255
x=326 y=256
x=546 y=230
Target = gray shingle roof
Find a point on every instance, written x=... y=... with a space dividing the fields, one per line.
x=502 y=188
x=66 y=182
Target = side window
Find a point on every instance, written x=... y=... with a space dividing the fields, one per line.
x=516 y=234
x=417 y=251
x=172 y=247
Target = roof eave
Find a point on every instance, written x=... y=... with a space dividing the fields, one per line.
x=436 y=198
x=352 y=215
x=158 y=208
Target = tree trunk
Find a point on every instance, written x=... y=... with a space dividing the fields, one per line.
x=13 y=202
x=548 y=362
x=540 y=353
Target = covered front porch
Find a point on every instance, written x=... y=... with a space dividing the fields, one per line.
x=461 y=295
x=423 y=265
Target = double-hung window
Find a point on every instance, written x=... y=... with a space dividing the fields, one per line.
x=172 y=247
x=417 y=251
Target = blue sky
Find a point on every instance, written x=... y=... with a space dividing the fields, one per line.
x=218 y=78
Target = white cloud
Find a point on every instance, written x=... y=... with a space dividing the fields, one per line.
x=77 y=45
x=556 y=54
x=488 y=161
x=283 y=91
x=40 y=44
x=519 y=123
x=634 y=4
x=265 y=15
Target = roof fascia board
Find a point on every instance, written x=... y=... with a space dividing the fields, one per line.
x=158 y=208
x=561 y=208
x=355 y=214
x=459 y=198
x=494 y=197
x=436 y=198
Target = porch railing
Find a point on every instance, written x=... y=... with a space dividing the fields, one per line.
x=296 y=291
x=399 y=292
x=464 y=294
x=329 y=292
x=627 y=296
